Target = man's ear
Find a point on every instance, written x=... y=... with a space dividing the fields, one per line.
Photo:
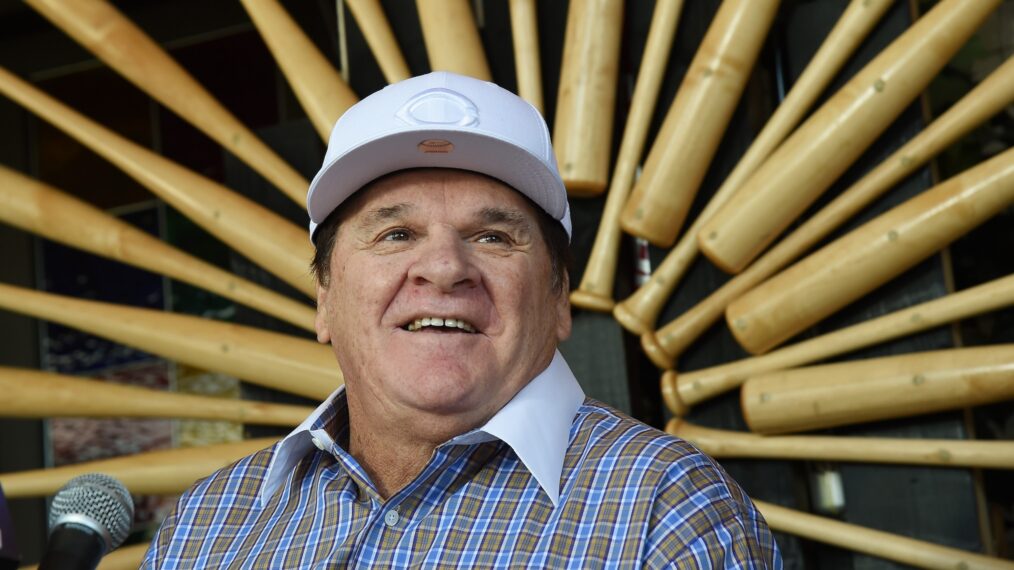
x=563 y=319
x=320 y=323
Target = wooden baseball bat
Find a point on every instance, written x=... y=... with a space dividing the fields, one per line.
x=868 y=257
x=831 y=139
x=846 y=393
x=906 y=451
x=376 y=29
x=123 y=558
x=688 y=388
x=639 y=312
x=35 y=394
x=452 y=38
x=903 y=549
x=583 y=126
x=258 y=233
x=696 y=121
x=266 y=358
x=103 y=30
x=596 y=289
x=164 y=472
x=525 y=35
x=987 y=99
x=41 y=209
x=323 y=94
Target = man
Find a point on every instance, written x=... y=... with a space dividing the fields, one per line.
x=461 y=438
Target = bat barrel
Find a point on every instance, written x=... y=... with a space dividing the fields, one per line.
x=267 y=358
x=696 y=120
x=854 y=537
x=869 y=390
x=583 y=127
x=595 y=291
x=320 y=90
x=820 y=150
x=377 y=30
x=984 y=101
x=871 y=255
x=905 y=451
x=151 y=473
x=452 y=38
x=699 y=385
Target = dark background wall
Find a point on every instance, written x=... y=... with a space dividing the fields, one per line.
x=216 y=42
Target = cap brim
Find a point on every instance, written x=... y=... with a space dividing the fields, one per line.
x=472 y=150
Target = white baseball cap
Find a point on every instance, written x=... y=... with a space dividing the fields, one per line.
x=441 y=120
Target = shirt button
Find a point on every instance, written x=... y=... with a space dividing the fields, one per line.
x=318 y=443
x=391 y=518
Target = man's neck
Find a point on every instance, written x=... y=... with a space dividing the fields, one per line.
x=391 y=454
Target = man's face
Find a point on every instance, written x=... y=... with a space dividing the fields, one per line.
x=426 y=246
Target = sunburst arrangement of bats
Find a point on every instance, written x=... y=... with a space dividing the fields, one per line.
x=799 y=153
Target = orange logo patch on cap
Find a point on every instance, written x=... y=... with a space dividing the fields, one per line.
x=438 y=146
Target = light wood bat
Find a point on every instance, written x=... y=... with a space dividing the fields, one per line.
x=639 y=312
x=41 y=209
x=871 y=255
x=689 y=388
x=583 y=126
x=150 y=473
x=696 y=121
x=258 y=233
x=103 y=30
x=35 y=394
x=452 y=38
x=903 y=549
x=984 y=101
x=525 y=36
x=906 y=451
x=265 y=358
x=376 y=29
x=323 y=94
x=820 y=150
x=595 y=291
x=860 y=391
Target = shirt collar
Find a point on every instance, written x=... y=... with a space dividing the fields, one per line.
x=535 y=423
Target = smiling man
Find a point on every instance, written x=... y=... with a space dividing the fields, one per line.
x=461 y=438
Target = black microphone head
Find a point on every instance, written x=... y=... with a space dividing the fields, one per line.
x=98 y=502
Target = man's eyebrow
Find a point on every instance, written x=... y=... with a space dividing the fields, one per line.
x=385 y=214
x=509 y=217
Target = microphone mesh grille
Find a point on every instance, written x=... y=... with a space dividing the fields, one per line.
x=99 y=497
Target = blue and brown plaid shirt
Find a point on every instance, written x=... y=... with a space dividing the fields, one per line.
x=623 y=495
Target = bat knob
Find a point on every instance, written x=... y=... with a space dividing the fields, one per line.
x=672 y=427
x=591 y=301
x=654 y=350
x=630 y=321
x=582 y=188
x=672 y=397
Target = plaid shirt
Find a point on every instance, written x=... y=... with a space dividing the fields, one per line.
x=616 y=494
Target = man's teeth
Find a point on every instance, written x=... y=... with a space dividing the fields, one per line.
x=439 y=322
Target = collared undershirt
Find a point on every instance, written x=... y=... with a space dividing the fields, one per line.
x=553 y=480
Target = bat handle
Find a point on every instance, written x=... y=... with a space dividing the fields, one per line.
x=671 y=395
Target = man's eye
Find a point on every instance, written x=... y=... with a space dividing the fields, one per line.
x=491 y=238
x=397 y=235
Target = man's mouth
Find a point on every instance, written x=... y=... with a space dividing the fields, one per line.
x=440 y=324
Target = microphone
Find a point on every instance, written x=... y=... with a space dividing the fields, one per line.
x=90 y=516
x=9 y=557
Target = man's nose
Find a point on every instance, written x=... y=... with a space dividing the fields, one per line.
x=444 y=262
